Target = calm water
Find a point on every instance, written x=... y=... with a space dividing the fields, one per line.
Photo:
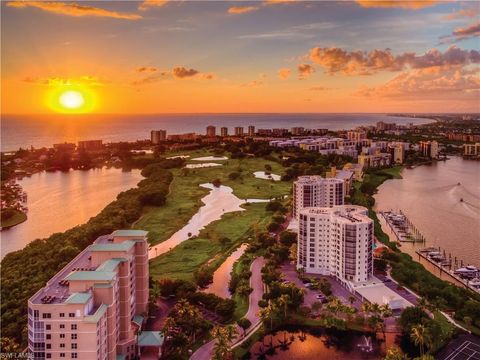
x=320 y=345
x=24 y=131
x=59 y=201
x=430 y=197
x=222 y=276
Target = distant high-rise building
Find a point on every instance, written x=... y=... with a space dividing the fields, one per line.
x=336 y=241
x=238 y=131
x=251 y=130
x=297 y=130
x=90 y=145
x=397 y=150
x=279 y=132
x=315 y=191
x=471 y=150
x=429 y=149
x=224 y=131
x=356 y=135
x=264 y=132
x=93 y=308
x=157 y=136
x=211 y=131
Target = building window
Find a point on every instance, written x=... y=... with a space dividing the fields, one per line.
x=49 y=356
x=74 y=346
x=74 y=355
x=62 y=336
x=48 y=327
x=62 y=345
x=71 y=314
x=74 y=336
x=62 y=326
x=48 y=346
x=62 y=354
x=48 y=336
x=62 y=314
x=74 y=326
x=47 y=315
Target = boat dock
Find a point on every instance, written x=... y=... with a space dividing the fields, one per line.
x=402 y=227
x=451 y=268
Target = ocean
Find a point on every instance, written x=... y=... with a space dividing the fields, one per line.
x=45 y=130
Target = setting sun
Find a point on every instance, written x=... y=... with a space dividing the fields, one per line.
x=73 y=99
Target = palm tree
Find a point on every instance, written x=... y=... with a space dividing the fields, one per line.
x=283 y=301
x=223 y=337
x=351 y=299
x=420 y=337
x=394 y=353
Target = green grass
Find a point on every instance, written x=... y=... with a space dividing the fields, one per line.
x=184 y=259
x=17 y=218
x=185 y=195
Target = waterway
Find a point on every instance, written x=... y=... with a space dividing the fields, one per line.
x=220 y=200
x=321 y=345
x=58 y=201
x=431 y=197
x=222 y=276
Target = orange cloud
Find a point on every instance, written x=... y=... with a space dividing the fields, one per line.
x=275 y=2
x=320 y=88
x=181 y=72
x=242 y=9
x=59 y=81
x=470 y=31
x=463 y=13
x=305 y=70
x=284 y=73
x=335 y=60
x=428 y=83
x=146 y=69
x=396 y=4
x=147 y=4
x=73 y=9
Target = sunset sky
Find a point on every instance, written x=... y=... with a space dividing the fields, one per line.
x=270 y=56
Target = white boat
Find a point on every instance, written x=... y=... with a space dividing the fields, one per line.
x=467 y=270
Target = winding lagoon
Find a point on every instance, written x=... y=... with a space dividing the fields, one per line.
x=222 y=276
x=220 y=200
x=443 y=201
x=58 y=201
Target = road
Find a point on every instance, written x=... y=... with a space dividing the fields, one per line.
x=205 y=351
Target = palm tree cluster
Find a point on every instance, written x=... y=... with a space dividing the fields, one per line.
x=223 y=335
x=376 y=315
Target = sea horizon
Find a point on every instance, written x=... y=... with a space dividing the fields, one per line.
x=45 y=130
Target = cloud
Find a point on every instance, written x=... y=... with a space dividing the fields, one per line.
x=155 y=77
x=468 y=32
x=178 y=72
x=284 y=73
x=146 y=69
x=181 y=72
x=336 y=60
x=73 y=9
x=438 y=83
x=305 y=31
x=276 y=2
x=147 y=4
x=463 y=13
x=242 y=9
x=59 y=81
x=305 y=70
x=396 y=4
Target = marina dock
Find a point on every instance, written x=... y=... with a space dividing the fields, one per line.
x=451 y=268
x=402 y=227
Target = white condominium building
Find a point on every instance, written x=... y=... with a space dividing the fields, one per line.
x=315 y=191
x=336 y=241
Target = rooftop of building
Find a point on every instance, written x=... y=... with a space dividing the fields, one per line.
x=348 y=213
x=310 y=179
x=57 y=291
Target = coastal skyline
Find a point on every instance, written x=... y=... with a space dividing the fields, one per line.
x=272 y=56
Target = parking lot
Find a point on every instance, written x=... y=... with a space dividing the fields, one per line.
x=310 y=297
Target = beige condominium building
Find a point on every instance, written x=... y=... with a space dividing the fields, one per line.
x=91 y=308
x=315 y=191
x=336 y=241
